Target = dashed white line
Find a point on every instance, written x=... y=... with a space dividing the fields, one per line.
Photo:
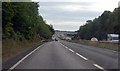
x=81 y=56
x=98 y=66
x=71 y=50
x=114 y=51
x=15 y=65
x=66 y=47
x=62 y=45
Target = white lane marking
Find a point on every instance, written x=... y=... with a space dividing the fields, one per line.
x=114 y=51
x=15 y=65
x=66 y=47
x=98 y=66
x=62 y=45
x=71 y=50
x=81 y=56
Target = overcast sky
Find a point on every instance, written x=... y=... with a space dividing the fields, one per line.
x=69 y=15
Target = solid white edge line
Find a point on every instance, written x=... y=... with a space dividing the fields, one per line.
x=98 y=66
x=15 y=65
x=81 y=56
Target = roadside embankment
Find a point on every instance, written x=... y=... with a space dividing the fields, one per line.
x=13 y=51
x=11 y=47
x=100 y=44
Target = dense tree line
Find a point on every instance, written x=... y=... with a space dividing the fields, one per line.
x=21 y=20
x=107 y=23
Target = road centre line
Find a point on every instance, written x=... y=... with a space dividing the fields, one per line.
x=98 y=66
x=71 y=50
x=66 y=47
x=62 y=45
x=76 y=53
x=15 y=65
x=81 y=56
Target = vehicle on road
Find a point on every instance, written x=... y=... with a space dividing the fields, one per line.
x=56 y=40
x=113 y=38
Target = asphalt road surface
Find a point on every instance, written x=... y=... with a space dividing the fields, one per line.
x=66 y=55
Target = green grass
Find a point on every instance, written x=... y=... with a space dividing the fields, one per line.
x=10 y=48
x=97 y=44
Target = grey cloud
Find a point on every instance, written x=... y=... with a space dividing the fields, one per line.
x=64 y=3
x=55 y=13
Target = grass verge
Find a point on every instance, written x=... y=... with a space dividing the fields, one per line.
x=11 y=48
x=111 y=46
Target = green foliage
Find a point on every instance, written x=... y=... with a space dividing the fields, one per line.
x=22 y=21
x=101 y=26
x=51 y=29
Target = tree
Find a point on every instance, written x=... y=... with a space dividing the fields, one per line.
x=101 y=26
x=21 y=20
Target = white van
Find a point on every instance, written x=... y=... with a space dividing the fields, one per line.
x=114 y=38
